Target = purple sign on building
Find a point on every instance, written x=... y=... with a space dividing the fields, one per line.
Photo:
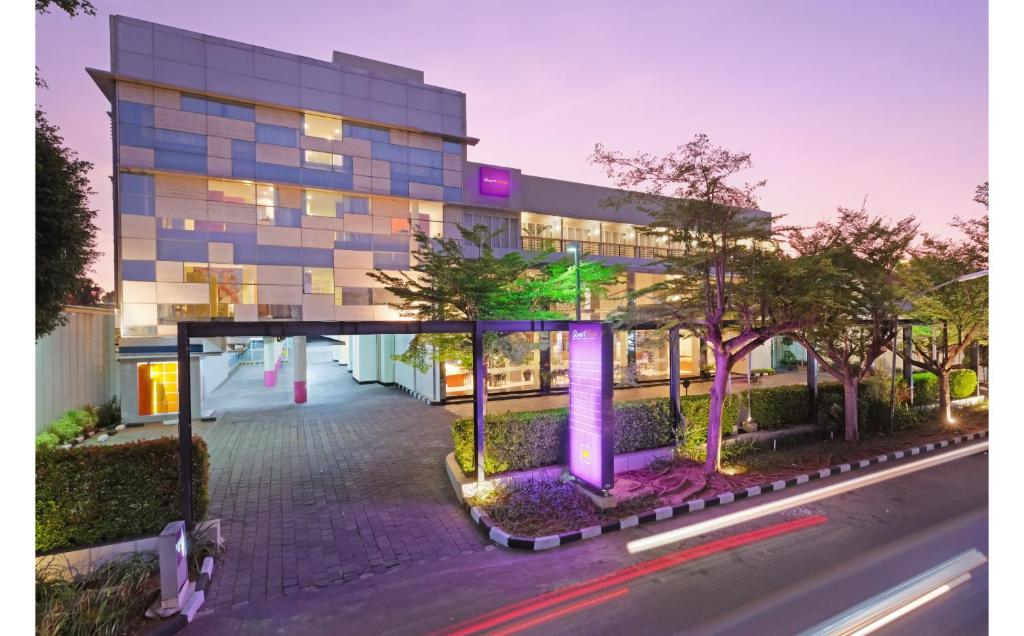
x=591 y=422
x=494 y=181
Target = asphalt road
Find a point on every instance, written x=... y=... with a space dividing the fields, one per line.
x=852 y=546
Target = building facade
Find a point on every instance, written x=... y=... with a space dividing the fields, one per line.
x=253 y=184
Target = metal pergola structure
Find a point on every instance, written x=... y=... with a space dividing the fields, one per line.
x=287 y=329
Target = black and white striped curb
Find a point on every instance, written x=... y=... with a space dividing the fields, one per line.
x=502 y=538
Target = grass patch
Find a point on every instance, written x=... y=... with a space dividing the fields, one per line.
x=108 y=601
x=541 y=507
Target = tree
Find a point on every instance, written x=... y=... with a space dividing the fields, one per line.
x=858 y=322
x=71 y=7
x=88 y=293
x=65 y=228
x=727 y=282
x=463 y=279
x=956 y=312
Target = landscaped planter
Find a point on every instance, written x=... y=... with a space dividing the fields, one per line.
x=502 y=538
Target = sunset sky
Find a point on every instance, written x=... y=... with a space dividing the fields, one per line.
x=834 y=99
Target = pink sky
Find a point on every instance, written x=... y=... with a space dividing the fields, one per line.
x=834 y=99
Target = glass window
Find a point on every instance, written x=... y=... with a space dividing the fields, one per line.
x=371 y=133
x=318 y=159
x=391 y=260
x=321 y=203
x=322 y=127
x=132 y=113
x=389 y=152
x=422 y=157
x=355 y=205
x=318 y=280
x=132 y=135
x=452 y=147
x=453 y=195
x=157 y=387
x=356 y=296
x=353 y=241
x=179 y=141
x=243 y=149
x=137 y=194
x=232 y=110
x=185 y=161
x=280 y=312
x=193 y=103
x=231 y=191
x=399 y=226
x=277 y=135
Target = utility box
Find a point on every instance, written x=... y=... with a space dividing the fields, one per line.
x=172 y=548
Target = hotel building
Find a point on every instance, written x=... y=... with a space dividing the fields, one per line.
x=253 y=184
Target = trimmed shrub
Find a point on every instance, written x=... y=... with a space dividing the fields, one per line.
x=47 y=440
x=108 y=414
x=778 y=406
x=66 y=429
x=530 y=439
x=94 y=494
x=926 y=388
x=962 y=383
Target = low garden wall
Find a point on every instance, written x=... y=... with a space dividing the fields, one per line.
x=90 y=495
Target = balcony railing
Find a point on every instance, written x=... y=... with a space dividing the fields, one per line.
x=540 y=244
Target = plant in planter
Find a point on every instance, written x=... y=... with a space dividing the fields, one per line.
x=788 y=360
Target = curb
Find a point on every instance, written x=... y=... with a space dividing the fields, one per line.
x=502 y=538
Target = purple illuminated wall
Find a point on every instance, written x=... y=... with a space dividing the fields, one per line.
x=494 y=181
x=591 y=425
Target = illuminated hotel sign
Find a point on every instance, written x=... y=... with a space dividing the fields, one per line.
x=591 y=421
x=494 y=181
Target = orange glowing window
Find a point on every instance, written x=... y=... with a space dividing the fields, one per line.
x=158 y=387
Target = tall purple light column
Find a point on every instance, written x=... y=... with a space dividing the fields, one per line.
x=591 y=421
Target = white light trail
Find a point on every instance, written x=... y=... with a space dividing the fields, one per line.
x=773 y=507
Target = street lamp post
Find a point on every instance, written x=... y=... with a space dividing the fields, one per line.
x=575 y=249
x=895 y=326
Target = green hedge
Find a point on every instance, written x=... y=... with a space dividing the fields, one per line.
x=778 y=406
x=94 y=494
x=517 y=441
x=962 y=384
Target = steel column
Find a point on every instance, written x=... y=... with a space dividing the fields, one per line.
x=479 y=398
x=185 y=423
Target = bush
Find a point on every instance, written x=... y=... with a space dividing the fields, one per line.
x=779 y=406
x=108 y=414
x=94 y=494
x=106 y=601
x=763 y=371
x=962 y=383
x=926 y=388
x=47 y=441
x=66 y=429
x=872 y=406
x=530 y=439
x=83 y=418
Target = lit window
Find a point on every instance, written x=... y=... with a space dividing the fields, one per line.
x=318 y=280
x=317 y=159
x=231 y=191
x=266 y=199
x=157 y=387
x=399 y=226
x=323 y=127
x=320 y=203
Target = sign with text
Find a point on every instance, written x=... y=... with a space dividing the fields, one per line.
x=494 y=181
x=591 y=421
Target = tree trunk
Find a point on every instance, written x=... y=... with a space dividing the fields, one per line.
x=719 y=384
x=945 y=409
x=850 y=409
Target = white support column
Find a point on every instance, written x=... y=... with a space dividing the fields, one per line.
x=269 y=361
x=298 y=358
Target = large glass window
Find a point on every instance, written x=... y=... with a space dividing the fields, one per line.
x=505 y=229
x=321 y=203
x=371 y=133
x=137 y=194
x=277 y=135
x=318 y=280
x=231 y=191
x=179 y=141
x=355 y=205
x=157 y=387
x=327 y=161
x=218 y=108
x=322 y=127
x=132 y=113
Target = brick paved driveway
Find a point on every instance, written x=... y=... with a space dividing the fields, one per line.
x=346 y=486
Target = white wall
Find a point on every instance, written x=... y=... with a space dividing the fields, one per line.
x=75 y=364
